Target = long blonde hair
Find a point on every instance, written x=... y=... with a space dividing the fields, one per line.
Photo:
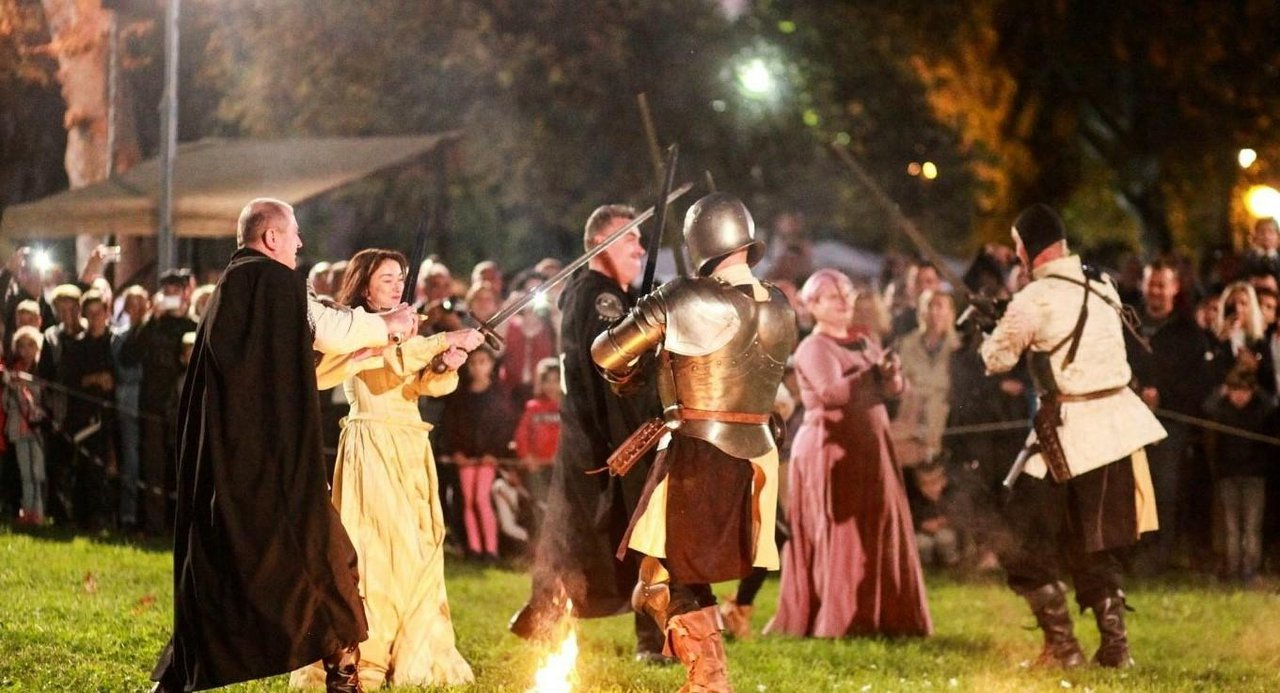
x=1254 y=327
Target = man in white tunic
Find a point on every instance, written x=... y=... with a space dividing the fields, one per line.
x=1084 y=490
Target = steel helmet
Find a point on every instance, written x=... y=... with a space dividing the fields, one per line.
x=718 y=225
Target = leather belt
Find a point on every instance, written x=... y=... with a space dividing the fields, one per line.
x=1089 y=396
x=689 y=414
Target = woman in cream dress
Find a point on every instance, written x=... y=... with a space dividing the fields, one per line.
x=386 y=491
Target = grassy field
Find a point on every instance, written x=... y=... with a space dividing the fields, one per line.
x=90 y=615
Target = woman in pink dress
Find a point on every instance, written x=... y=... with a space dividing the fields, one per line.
x=850 y=567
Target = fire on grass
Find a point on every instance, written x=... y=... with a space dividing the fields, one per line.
x=558 y=672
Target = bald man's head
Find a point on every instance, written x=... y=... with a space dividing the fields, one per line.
x=258 y=216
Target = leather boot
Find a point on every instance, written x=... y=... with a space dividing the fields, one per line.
x=539 y=619
x=695 y=640
x=342 y=671
x=1113 y=651
x=1049 y=604
x=737 y=619
x=536 y=622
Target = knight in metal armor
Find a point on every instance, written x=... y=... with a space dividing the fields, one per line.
x=1081 y=489
x=722 y=340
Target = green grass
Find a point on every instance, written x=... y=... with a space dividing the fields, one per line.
x=79 y=614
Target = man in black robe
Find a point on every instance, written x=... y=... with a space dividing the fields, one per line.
x=264 y=574
x=588 y=514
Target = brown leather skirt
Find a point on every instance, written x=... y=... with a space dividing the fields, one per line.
x=710 y=534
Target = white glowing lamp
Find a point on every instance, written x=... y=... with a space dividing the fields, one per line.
x=1246 y=157
x=756 y=78
x=1262 y=201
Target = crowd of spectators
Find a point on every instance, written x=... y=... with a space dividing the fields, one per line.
x=92 y=377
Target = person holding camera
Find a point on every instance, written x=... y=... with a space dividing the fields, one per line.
x=156 y=345
x=1240 y=335
x=21 y=280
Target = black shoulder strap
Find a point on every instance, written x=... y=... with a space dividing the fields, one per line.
x=1128 y=318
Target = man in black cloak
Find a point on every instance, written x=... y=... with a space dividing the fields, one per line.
x=588 y=514
x=264 y=574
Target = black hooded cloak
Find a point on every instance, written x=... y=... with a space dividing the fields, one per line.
x=264 y=575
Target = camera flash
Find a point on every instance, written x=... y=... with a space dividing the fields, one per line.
x=41 y=260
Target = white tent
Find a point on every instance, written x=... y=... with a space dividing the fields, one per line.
x=213 y=178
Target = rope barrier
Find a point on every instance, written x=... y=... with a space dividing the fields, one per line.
x=1207 y=424
x=84 y=396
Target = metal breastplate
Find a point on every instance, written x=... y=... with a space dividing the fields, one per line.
x=741 y=376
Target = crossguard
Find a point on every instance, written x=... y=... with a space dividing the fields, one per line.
x=490 y=337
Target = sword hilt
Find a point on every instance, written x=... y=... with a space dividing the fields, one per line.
x=490 y=336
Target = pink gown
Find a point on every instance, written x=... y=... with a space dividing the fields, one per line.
x=850 y=567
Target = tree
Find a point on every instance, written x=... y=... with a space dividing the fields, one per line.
x=1158 y=95
x=546 y=93
x=854 y=90
x=81 y=31
x=31 y=135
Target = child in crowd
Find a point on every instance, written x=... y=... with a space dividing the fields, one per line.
x=23 y=417
x=1239 y=468
x=476 y=430
x=538 y=433
x=929 y=494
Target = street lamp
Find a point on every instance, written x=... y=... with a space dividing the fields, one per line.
x=756 y=79
x=1262 y=201
x=165 y=255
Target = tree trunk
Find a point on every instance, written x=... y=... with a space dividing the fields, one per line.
x=81 y=32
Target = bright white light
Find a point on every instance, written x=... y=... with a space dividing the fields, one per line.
x=1262 y=201
x=756 y=78
x=540 y=301
x=42 y=261
x=929 y=170
x=1246 y=157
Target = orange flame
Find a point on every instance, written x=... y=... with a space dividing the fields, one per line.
x=558 y=673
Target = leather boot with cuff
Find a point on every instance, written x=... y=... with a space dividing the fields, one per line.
x=695 y=639
x=1113 y=652
x=1049 y=604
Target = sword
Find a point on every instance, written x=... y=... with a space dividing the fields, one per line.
x=913 y=233
x=977 y=302
x=659 y=221
x=488 y=327
x=415 y=261
x=419 y=254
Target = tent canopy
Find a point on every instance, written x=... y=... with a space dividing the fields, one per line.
x=213 y=179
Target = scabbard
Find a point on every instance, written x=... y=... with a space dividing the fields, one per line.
x=637 y=445
x=1046 y=422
